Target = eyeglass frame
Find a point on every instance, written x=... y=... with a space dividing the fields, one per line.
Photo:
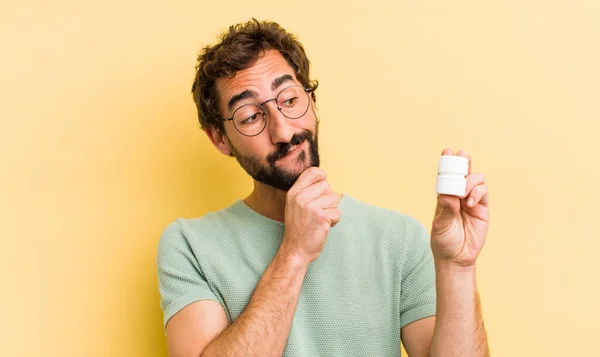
x=261 y=105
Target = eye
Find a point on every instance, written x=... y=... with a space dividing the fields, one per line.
x=290 y=102
x=251 y=119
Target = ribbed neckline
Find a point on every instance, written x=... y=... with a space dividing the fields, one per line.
x=246 y=210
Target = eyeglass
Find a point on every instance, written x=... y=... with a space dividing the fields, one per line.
x=251 y=119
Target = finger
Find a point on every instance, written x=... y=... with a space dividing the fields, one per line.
x=310 y=176
x=465 y=154
x=474 y=179
x=447 y=205
x=335 y=215
x=447 y=151
x=479 y=194
x=314 y=191
x=327 y=201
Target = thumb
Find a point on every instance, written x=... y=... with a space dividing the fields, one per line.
x=447 y=206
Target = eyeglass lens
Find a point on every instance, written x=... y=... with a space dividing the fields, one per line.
x=250 y=119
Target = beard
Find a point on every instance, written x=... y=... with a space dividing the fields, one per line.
x=274 y=175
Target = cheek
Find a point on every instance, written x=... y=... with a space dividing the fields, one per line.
x=254 y=147
x=307 y=122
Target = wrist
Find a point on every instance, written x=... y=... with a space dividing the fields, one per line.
x=293 y=259
x=448 y=268
x=453 y=282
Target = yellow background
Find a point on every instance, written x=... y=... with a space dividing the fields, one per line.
x=100 y=150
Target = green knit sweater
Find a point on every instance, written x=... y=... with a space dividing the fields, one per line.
x=374 y=275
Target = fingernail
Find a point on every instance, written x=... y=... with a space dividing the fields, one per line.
x=470 y=201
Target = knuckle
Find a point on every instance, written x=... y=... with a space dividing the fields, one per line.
x=321 y=215
x=311 y=205
x=314 y=170
x=478 y=190
x=337 y=215
x=319 y=172
x=299 y=199
x=310 y=170
x=304 y=202
x=331 y=202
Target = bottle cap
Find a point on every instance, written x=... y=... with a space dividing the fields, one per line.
x=452 y=171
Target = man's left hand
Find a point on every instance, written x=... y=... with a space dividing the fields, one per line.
x=460 y=224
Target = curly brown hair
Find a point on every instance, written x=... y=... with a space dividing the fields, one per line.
x=238 y=49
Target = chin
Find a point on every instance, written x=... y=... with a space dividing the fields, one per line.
x=297 y=168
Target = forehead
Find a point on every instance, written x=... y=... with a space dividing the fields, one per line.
x=257 y=78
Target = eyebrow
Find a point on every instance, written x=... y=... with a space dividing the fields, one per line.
x=238 y=97
x=277 y=82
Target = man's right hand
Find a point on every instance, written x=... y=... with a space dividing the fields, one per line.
x=311 y=209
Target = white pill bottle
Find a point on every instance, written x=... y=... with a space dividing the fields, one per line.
x=451 y=178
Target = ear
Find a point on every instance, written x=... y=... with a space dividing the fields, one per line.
x=219 y=140
x=315 y=110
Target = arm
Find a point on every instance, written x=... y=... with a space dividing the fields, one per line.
x=263 y=327
x=459 y=329
x=458 y=233
x=190 y=330
x=201 y=328
x=416 y=337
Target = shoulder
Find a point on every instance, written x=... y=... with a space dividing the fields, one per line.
x=185 y=233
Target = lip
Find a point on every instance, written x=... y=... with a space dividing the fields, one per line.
x=296 y=148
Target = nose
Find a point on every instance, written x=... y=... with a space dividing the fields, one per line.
x=278 y=125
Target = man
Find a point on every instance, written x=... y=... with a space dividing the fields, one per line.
x=296 y=268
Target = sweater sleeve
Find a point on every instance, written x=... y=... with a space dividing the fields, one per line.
x=180 y=279
x=417 y=291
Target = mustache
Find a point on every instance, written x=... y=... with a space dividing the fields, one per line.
x=283 y=148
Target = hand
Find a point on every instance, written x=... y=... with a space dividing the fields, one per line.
x=310 y=211
x=460 y=224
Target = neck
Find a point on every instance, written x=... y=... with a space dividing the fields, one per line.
x=269 y=201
